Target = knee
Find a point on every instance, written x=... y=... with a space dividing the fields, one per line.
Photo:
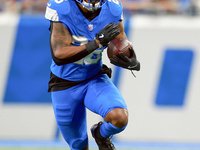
x=118 y=117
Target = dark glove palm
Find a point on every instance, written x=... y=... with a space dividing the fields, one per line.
x=108 y=33
x=123 y=61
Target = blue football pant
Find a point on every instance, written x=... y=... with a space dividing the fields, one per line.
x=98 y=95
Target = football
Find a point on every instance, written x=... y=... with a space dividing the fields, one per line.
x=118 y=45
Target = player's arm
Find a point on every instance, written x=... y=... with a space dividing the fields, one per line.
x=60 y=40
x=62 y=52
x=122 y=33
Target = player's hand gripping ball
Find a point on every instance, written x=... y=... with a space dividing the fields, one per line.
x=118 y=45
x=121 y=53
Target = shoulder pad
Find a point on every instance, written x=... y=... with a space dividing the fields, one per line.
x=115 y=7
x=55 y=8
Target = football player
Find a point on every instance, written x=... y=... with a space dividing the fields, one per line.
x=80 y=31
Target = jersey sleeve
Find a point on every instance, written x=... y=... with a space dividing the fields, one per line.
x=116 y=9
x=51 y=14
x=55 y=10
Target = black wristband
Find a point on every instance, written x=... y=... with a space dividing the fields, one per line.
x=91 y=46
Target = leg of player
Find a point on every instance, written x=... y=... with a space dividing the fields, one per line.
x=105 y=99
x=70 y=116
x=114 y=122
x=117 y=117
x=86 y=148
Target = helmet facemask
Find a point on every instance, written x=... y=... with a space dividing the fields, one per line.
x=91 y=5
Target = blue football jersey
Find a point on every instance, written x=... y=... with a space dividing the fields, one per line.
x=82 y=31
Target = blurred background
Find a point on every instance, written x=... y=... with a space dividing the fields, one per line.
x=154 y=7
x=163 y=99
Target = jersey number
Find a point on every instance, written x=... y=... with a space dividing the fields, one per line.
x=92 y=58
